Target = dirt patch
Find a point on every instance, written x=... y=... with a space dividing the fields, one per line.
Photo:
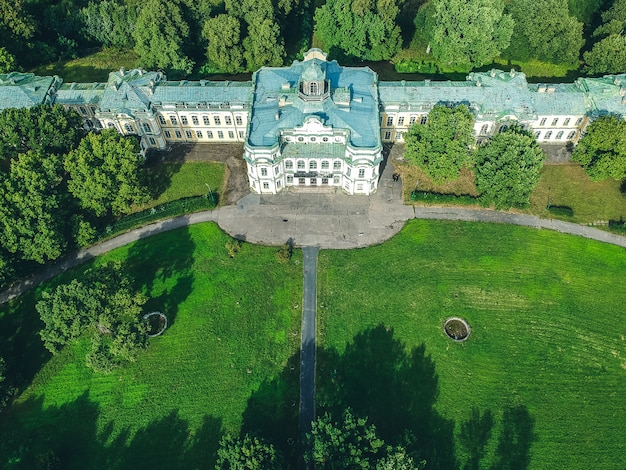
x=236 y=183
x=456 y=328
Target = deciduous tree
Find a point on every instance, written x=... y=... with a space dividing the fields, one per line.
x=224 y=49
x=441 y=146
x=263 y=46
x=110 y=23
x=160 y=34
x=508 y=168
x=607 y=55
x=545 y=31
x=247 y=453
x=466 y=33
x=105 y=173
x=602 y=150
x=7 y=61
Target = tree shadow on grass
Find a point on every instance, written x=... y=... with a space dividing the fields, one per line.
x=474 y=437
x=516 y=437
x=162 y=268
x=396 y=390
x=39 y=437
x=159 y=172
x=272 y=411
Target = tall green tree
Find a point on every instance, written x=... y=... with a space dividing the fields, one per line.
x=110 y=23
x=32 y=209
x=602 y=149
x=361 y=29
x=49 y=129
x=545 y=31
x=7 y=61
x=102 y=307
x=160 y=35
x=508 y=168
x=224 y=49
x=263 y=46
x=442 y=146
x=608 y=55
x=247 y=453
x=613 y=19
x=105 y=173
x=464 y=34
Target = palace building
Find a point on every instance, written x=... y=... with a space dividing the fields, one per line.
x=316 y=123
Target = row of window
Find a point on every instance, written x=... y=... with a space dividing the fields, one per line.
x=200 y=134
x=313 y=166
x=412 y=120
x=217 y=120
x=311 y=139
x=558 y=136
x=555 y=122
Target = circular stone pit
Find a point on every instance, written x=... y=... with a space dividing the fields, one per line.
x=157 y=322
x=457 y=329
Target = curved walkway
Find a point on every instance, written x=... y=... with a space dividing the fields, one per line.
x=329 y=220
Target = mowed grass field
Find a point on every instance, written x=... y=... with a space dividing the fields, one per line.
x=227 y=363
x=540 y=383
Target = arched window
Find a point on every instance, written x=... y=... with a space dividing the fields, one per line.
x=288 y=164
x=325 y=165
x=312 y=165
x=313 y=88
x=300 y=164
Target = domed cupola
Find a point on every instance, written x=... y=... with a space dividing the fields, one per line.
x=313 y=83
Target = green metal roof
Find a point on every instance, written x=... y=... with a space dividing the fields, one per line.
x=24 y=90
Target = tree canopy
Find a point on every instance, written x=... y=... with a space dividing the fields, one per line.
x=102 y=307
x=160 y=36
x=508 y=168
x=602 y=149
x=545 y=31
x=466 y=33
x=105 y=173
x=363 y=29
x=224 y=49
x=441 y=146
x=247 y=453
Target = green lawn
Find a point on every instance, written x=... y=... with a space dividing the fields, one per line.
x=172 y=181
x=569 y=185
x=92 y=68
x=227 y=362
x=545 y=365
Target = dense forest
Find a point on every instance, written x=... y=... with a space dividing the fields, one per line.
x=230 y=36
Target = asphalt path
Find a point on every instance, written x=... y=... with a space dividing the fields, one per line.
x=308 y=348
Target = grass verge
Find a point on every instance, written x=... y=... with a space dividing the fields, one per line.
x=538 y=383
x=228 y=362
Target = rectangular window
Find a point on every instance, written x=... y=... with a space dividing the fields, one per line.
x=162 y=120
x=205 y=120
x=387 y=135
x=220 y=135
x=179 y=135
x=579 y=121
x=548 y=135
x=401 y=121
x=325 y=165
x=543 y=122
x=571 y=135
x=228 y=120
x=289 y=164
x=263 y=171
x=173 y=120
x=312 y=165
x=398 y=135
x=412 y=120
x=147 y=128
x=241 y=134
x=566 y=122
x=266 y=186
x=152 y=141
x=231 y=134
x=217 y=121
x=537 y=134
x=389 y=120
x=335 y=179
x=361 y=172
x=559 y=135
x=189 y=134
x=349 y=171
x=301 y=181
x=195 y=121
x=424 y=119
x=238 y=120
x=289 y=179
x=199 y=134
x=555 y=121
x=83 y=110
x=209 y=134
x=93 y=109
x=337 y=165
x=129 y=128
x=167 y=135
x=184 y=120
x=359 y=187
